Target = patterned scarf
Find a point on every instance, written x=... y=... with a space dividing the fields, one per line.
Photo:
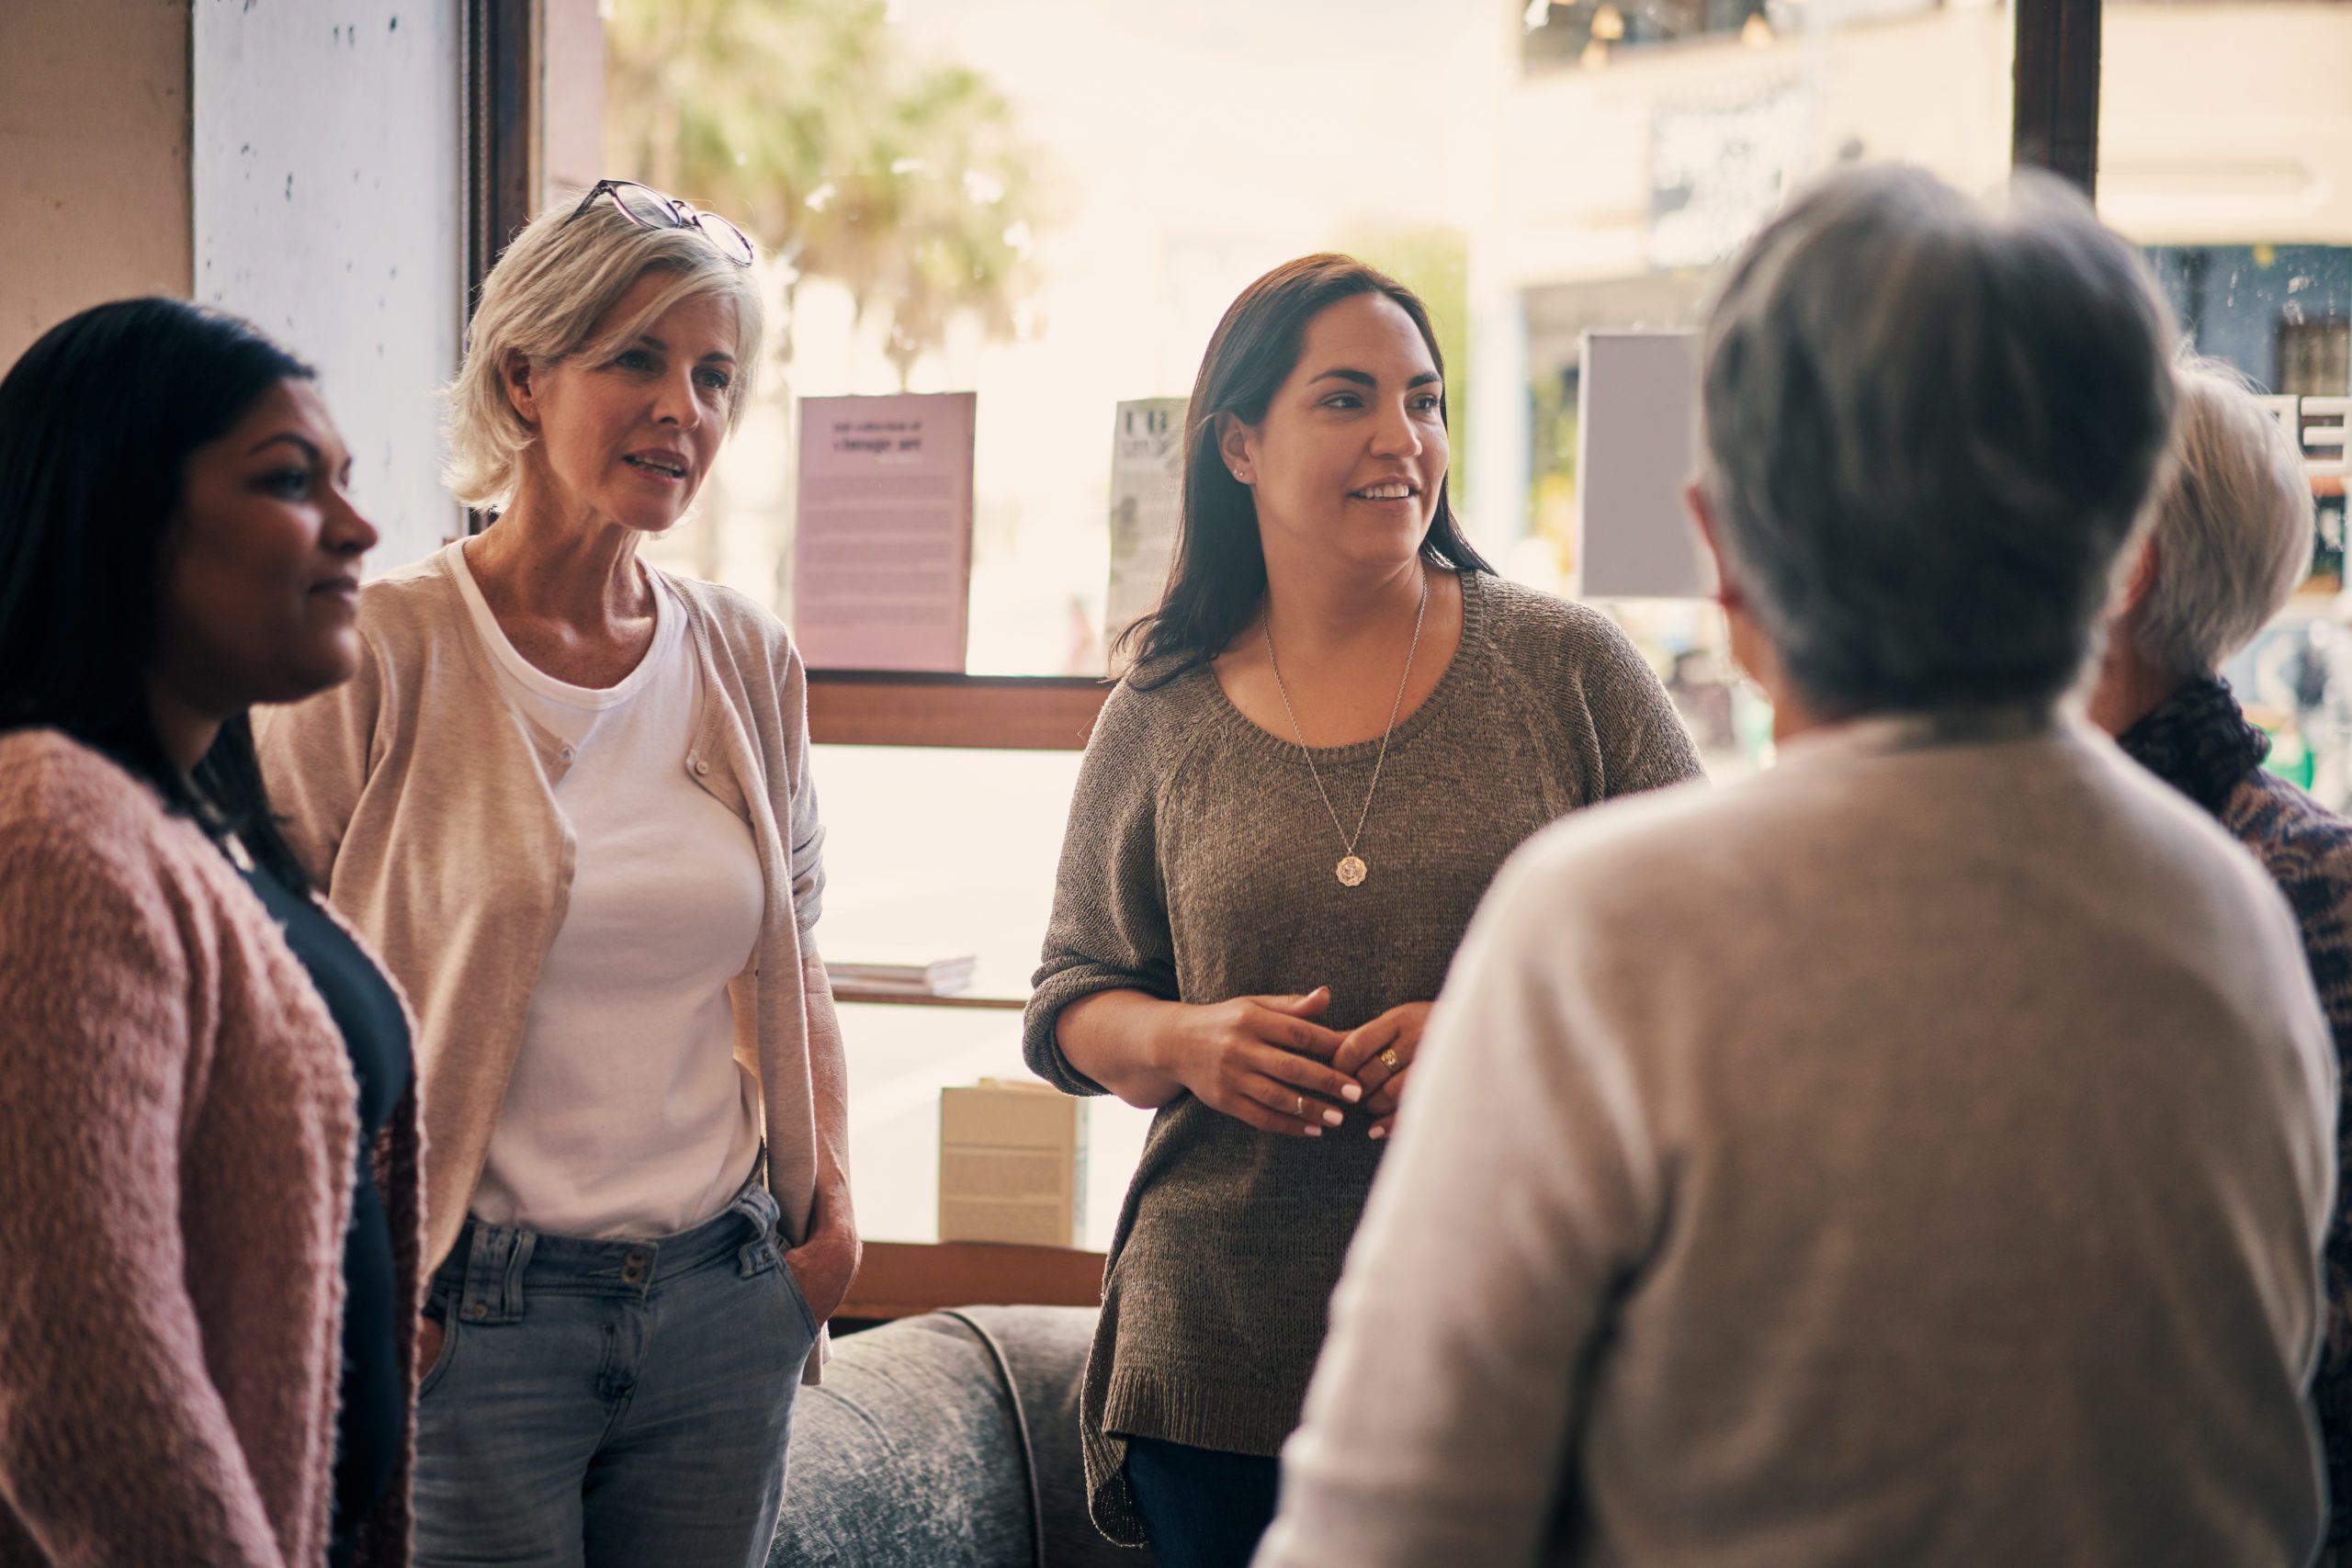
x=2199 y=741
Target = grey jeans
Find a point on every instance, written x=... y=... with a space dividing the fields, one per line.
x=610 y=1403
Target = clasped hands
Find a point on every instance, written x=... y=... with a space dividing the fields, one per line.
x=1266 y=1061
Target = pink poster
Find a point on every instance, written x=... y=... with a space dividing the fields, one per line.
x=882 y=565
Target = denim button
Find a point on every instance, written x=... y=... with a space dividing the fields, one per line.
x=480 y=1309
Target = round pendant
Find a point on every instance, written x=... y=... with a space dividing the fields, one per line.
x=1351 y=871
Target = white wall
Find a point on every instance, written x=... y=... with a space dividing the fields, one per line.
x=328 y=205
x=93 y=158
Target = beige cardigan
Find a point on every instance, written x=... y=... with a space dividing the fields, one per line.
x=425 y=807
x=176 y=1119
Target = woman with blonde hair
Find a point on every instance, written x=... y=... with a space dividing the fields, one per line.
x=569 y=795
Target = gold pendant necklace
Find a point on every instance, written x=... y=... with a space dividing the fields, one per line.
x=1351 y=869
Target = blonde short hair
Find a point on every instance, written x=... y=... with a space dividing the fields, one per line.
x=543 y=300
x=2231 y=523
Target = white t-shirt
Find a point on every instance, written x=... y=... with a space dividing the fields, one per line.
x=628 y=1115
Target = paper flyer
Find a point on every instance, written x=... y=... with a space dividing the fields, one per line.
x=1147 y=486
x=883 y=554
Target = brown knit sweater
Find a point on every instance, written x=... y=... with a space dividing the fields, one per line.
x=176 y=1120
x=1198 y=866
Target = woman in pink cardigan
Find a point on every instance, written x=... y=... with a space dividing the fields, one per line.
x=208 y=1187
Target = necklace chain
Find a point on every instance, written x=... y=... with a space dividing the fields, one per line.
x=1347 y=840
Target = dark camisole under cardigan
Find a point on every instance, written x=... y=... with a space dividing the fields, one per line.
x=375 y=1031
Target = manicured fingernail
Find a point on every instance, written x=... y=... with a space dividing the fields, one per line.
x=1379 y=1133
x=1332 y=1117
x=1313 y=1130
x=1352 y=1092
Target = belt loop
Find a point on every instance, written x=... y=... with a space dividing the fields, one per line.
x=519 y=1260
x=494 y=1285
x=757 y=1205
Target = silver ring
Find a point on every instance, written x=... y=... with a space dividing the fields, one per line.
x=1302 y=1105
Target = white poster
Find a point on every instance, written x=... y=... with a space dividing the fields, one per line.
x=1638 y=448
x=1146 y=492
x=882 y=557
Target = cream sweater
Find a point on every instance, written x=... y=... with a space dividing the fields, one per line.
x=177 y=1124
x=1916 y=1154
x=425 y=807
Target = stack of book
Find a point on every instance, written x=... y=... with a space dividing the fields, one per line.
x=1012 y=1164
x=940 y=978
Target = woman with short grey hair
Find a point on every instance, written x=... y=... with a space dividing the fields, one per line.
x=569 y=797
x=1916 y=1153
x=2231 y=538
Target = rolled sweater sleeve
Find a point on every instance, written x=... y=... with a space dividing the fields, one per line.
x=1440 y=1419
x=1109 y=930
x=116 y=1448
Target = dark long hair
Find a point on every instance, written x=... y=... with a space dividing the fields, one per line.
x=1219 y=578
x=98 y=421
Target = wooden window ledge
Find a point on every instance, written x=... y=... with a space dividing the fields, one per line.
x=1008 y=713
x=902 y=1279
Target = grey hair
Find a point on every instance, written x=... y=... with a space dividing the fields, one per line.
x=2233 y=524
x=544 y=299
x=1929 y=425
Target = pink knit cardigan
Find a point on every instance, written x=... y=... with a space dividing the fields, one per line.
x=177 y=1118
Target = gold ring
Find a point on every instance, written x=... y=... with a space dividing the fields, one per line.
x=1302 y=1105
x=1388 y=1059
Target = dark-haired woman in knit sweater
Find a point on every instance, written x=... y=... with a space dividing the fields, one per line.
x=1337 y=726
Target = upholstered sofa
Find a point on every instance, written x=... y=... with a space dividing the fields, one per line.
x=948 y=1440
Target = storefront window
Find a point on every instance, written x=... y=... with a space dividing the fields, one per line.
x=2225 y=149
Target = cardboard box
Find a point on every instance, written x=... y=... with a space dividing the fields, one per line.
x=1012 y=1164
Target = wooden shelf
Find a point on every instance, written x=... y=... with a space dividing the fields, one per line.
x=883 y=995
x=1006 y=712
x=900 y=1279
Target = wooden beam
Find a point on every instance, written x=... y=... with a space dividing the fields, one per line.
x=501 y=129
x=884 y=995
x=500 y=112
x=908 y=1279
x=2056 y=120
x=1010 y=712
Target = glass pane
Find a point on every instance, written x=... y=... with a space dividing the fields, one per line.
x=1641 y=145
x=937 y=854
x=2225 y=149
x=1051 y=205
